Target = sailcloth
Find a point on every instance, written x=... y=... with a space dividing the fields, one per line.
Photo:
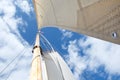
x=96 y=18
x=54 y=67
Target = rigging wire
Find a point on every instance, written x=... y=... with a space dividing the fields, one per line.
x=47 y=48
x=47 y=41
x=11 y=61
x=1 y=72
x=42 y=41
x=21 y=52
x=16 y=64
x=49 y=44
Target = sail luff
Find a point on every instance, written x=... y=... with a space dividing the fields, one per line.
x=36 y=71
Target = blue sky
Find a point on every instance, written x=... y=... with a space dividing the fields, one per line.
x=87 y=57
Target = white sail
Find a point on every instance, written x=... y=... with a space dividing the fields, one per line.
x=97 y=18
x=54 y=67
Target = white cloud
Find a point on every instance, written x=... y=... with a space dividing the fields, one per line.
x=66 y=34
x=76 y=62
x=100 y=53
x=8 y=11
x=24 y=5
x=11 y=42
x=64 y=46
x=106 y=53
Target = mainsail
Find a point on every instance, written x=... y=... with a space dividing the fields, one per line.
x=96 y=18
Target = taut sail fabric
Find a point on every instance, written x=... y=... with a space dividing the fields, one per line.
x=54 y=67
x=96 y=18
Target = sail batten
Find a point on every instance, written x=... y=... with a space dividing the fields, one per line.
x=96 y=18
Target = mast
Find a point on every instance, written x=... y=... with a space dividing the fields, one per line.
x=36 y=71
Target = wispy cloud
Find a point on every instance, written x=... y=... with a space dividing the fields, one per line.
x=25 y=6
x=95 y=54
x=74 y=60
x=106 y=53
x=11 y=41
x=66 y=34
x=64 y=46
